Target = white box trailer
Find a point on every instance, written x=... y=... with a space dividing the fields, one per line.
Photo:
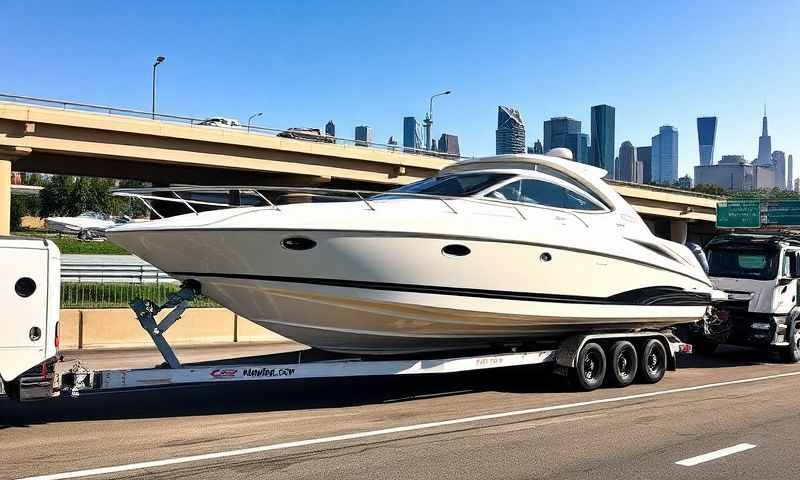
x=30 y=295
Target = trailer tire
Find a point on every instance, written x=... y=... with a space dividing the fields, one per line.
x=623 y=363
x=652 y=362
x=791 y=353
x=590 y=367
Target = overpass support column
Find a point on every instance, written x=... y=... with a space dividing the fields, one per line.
x=5 y=196
x=7 y=155
x=678 y=229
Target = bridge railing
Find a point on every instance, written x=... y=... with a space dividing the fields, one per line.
x=288 y=133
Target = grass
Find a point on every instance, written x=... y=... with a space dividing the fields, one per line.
x=117 y=295
x=70 y=244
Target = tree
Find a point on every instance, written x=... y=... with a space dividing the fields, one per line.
x=709 y=189
x=55 y=196
x=70 y=196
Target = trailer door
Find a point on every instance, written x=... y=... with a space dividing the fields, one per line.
x=24 y=298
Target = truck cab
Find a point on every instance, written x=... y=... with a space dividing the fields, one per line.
x=760 y=275
x=30 y=294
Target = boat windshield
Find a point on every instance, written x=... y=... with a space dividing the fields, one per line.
x=462 y=185
x=753 y=264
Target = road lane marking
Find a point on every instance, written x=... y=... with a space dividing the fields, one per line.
x=707 y=457
x=386 y=431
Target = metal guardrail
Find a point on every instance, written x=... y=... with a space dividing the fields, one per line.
x=114 y=273
x=198 y=122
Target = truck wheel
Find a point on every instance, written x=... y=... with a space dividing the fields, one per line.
x=590 y=368
x=653 y=362
x=623 y=363
x=791 y=353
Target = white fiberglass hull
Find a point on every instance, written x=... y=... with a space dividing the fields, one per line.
x=384 y=292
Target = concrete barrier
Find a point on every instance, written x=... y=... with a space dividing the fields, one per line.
x=118 y=328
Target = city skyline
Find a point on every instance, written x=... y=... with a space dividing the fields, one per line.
x=282 y=79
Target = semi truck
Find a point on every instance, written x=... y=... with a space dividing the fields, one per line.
x=760 y=272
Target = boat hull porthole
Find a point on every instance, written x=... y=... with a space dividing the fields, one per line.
x=456 y=250
x=298 y=243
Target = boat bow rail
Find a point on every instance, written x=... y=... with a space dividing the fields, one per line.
x=200 y=198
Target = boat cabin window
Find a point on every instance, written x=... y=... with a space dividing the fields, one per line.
x=539 y=192
x=453 y=185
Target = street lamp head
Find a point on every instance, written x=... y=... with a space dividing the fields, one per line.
x=447 y=92
x=159 y=59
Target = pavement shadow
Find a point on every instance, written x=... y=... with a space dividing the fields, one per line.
x=727 y=356
x=302 y=394
x=265 y=396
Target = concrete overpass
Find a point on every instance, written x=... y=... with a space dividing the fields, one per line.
x=55 y=137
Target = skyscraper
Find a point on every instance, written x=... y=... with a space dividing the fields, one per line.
x=537 y=147
x=363 y=136
x=643 y=155
x=706 y=135
x=779 y=160
x=330 y=128
x=603 y=119
x=664 y=167
x=764 y=143
x=566 y=132
x=630 y=169
x=789 y=173
x=412 y=140
x=449 y=144
x=510 y=133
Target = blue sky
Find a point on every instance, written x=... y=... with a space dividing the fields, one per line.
x=304 y=63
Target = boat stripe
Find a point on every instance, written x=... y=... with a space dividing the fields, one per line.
x=663 y=296
x=587 y=251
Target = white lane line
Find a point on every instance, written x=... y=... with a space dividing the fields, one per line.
x=387 y=431
x=707 y=457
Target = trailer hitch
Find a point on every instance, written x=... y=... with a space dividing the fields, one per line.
x=147 y=310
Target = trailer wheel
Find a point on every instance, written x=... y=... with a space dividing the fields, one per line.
x=590 y=368
x=623 y=363
x=653 y=362
x=791 y=353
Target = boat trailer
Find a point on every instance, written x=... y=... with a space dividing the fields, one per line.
x=309 y=364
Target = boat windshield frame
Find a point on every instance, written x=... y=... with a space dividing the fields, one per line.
x=494 y=179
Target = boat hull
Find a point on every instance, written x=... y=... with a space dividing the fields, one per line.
x=366 y=321
x=390 y=292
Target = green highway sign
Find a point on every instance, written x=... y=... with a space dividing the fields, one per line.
x=782 y=212
x=739 y=214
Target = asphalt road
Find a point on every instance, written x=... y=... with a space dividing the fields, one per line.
x=528 y=426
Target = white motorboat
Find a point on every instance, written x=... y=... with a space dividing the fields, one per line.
x=90 y=220
x=500 y=250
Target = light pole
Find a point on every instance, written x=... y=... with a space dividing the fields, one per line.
x=429 y=120
x=159 y=60
x=251 y=119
